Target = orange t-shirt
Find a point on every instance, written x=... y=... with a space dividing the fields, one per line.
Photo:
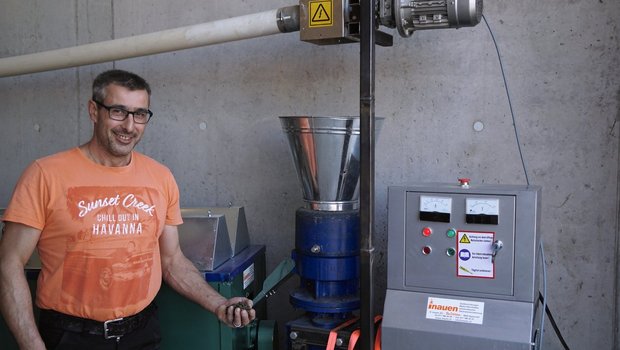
x=100 y=227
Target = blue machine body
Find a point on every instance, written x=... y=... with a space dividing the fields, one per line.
x=327 y=260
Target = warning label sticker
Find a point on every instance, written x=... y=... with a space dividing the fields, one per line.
x=464 y=239
x=320 y=13
x=454 y=310
x=475 y=254
x=248 y=276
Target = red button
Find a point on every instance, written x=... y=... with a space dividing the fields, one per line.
x=464 y=181
x=427 y=231
x=426 y=250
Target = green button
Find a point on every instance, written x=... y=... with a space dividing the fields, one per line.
x=450 y=252
x=451 y=233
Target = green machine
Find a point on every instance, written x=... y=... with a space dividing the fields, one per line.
x=216 y=240
x=186 y=325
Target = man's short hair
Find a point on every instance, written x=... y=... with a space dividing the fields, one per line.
x=119 y=77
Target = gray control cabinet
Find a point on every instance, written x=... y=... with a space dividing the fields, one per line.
x=462 y=266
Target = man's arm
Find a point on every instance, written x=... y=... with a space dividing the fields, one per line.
x=16 y=246
x=180 y=274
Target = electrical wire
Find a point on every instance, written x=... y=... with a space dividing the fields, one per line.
x=543 y=295
x=544 y=292
x=514 y=123
x=553 y=323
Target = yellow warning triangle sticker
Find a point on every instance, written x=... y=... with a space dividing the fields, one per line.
x=321 y=15
x=464 y=239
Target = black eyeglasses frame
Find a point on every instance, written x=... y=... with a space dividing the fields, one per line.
x=126 y=112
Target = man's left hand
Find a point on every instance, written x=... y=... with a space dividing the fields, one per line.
x=236 y=312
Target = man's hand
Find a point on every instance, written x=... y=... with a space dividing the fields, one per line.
x=236 y=312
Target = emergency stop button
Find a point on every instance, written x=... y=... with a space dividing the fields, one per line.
x=464 y=182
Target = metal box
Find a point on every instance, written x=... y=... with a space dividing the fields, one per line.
x=237 y=226
x=462 y=266
x=204 y=239
x=329 y=21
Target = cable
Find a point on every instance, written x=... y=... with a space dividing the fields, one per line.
x=544 y=301
x=554 y=324
x=514 y=123
x=542 y=298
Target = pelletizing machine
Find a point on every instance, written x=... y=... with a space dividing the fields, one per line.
x=329 y=153
x=326 y=154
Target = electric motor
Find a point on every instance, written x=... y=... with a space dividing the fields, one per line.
x=411 y=15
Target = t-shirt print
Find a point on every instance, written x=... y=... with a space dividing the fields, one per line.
x=110 y=256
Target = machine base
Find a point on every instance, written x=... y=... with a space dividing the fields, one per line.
x=310 y=337
x=501 y=325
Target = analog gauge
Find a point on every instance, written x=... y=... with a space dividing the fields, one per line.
x=434 y=204
x=482 y=206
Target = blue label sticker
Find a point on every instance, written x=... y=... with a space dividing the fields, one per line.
x=464 y=254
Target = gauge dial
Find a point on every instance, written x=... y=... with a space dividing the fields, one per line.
x=482 y=206
x=434 y=204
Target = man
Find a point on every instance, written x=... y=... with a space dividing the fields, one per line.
x=104 y=220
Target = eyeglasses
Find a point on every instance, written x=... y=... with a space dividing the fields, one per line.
x=140 y=116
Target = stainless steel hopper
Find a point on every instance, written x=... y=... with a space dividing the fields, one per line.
x=326 y=154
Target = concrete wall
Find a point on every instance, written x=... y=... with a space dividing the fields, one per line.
x=216 y=124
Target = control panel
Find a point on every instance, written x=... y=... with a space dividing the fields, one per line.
x=457 y=239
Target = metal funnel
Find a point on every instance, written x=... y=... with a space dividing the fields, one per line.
x=326 y=152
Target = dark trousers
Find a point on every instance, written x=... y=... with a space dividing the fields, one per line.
x=144 y=338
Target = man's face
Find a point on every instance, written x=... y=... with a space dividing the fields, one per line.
x=118 y=138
